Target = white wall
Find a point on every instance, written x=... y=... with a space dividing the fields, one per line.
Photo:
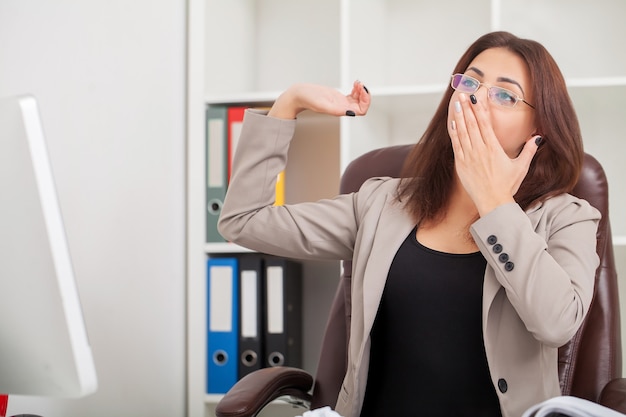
x=110 y=79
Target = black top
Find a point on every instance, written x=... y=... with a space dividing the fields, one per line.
x=427 y=353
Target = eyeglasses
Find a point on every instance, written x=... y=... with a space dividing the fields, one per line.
x=502 y=96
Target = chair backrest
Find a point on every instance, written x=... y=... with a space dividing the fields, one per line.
x=591 y=359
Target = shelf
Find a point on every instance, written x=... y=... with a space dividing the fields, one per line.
x=397 y=42
x=596 y=82
x=269 y=44
x=619 y=240
x=601 y=117
x=247 y=52
x=403 y=94
x=224 y=248
x=213 y=398
x=578 y=34
x=400 y=91
x=254 y=97
x=390 y=93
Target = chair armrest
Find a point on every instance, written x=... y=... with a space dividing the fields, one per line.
x=613 y=395
x=257 y=389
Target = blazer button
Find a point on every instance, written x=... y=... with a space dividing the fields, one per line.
x=492 y=240
x=503 y=257
x=509 y=266
x=502 y=385
x=497 y=248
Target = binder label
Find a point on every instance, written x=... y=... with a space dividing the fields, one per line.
x=216 y=152
x=249 y=304
x=221 y=290
x=275 y=319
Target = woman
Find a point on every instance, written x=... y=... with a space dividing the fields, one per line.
x=469 y=272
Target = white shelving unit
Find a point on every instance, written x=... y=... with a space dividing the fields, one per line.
x=247 y=51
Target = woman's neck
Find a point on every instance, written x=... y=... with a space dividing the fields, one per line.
x=460 y=205
x=451 y=232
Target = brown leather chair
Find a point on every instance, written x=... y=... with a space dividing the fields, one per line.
x=590 y=365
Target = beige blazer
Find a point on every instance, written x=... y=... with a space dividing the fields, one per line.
x=538 y=282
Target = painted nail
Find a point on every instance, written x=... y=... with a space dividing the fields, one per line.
x=473 y=99
x=453 y=125
x=365 y=88
x=457 y=107
x=350 y=113
x=538 y=140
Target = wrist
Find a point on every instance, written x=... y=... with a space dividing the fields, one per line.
x=286 y=105
x=488 y=206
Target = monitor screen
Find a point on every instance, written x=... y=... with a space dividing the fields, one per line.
x=44 y=349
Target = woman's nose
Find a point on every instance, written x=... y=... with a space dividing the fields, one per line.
x=481 y=94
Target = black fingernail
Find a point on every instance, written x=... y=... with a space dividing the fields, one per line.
x=538 y=141
x=350 y=113
x=473 y=99
x=366 y=90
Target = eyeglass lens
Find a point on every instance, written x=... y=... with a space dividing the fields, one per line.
x=499 y=95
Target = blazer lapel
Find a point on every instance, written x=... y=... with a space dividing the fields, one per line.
x=392 y=229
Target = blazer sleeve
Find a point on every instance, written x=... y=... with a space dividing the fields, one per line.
x=546 y=265
x=325 y=229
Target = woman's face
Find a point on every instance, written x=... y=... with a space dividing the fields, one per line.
x=513 y=126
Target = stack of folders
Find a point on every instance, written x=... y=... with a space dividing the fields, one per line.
x=223 y=128
x=254 y=307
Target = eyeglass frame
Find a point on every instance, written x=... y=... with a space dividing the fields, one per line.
x=489 y=87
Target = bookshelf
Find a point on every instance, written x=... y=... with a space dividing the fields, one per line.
x=248 y=51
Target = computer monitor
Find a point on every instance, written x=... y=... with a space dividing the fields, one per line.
x=44 y=349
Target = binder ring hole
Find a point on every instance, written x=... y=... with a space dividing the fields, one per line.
x=214 y=206
x=220 y=357
x=249 y=358
x=276 y=359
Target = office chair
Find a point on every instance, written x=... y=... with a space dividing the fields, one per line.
x=590 y=365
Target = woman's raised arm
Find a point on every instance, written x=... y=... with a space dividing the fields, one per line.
x=321 y=99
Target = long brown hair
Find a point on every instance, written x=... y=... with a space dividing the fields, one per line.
x=428 y=173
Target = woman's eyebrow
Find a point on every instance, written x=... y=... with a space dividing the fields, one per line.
x=509 y=80
x=502 y=79
x=477 y=71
